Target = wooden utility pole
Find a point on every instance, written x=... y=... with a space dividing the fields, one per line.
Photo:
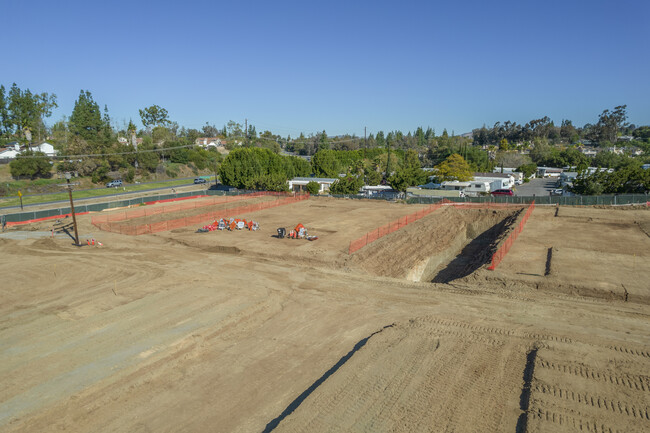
x=68 y=175
x=365 y=138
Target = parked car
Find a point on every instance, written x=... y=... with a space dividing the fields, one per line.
x=114 y=184
x=200 y=180
x=557 y=191
x=502 y=192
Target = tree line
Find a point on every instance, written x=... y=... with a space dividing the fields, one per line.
x=160 y=145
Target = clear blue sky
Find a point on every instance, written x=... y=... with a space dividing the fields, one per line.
x=292 y=66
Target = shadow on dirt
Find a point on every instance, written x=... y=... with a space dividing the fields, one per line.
x=474 y=255
x=298 y=401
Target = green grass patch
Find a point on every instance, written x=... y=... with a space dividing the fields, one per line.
x=63 y=195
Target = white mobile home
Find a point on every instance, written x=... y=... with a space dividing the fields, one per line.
x=496 y=180
x=475 y=188
x=454 y=185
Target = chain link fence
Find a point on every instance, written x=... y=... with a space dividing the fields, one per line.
x=576 y=200
x=623 y=199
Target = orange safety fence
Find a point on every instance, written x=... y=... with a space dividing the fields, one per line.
x=505 y=247
x=149 y=211
x=393 y=226
x=196 y=219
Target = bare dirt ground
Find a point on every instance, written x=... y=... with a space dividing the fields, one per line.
x=243 y=332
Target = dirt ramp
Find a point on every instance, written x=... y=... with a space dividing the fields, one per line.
x=447 y=244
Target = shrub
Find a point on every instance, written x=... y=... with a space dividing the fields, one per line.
x=312 y=187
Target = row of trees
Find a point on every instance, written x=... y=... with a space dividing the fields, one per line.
x=256 y=168
x=605 y=131
x=630 y=179
x=22 y=112
x=392 y=157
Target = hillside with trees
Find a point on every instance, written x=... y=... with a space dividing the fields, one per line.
x=91 y=144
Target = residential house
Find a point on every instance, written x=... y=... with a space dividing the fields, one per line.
x=297 y=184
x=207 y=142
x=46 y=148
x=9 y=153
x=588 y=151
x=549 y=171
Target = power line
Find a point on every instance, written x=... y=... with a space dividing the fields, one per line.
x=164 y=149
x=90 y=155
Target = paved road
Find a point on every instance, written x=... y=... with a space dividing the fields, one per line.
x=106 y=198
x=537 y=187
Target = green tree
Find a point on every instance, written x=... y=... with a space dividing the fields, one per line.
x=256 y=168
x=454 y=168
x=312 y=187
x=30 y=164
x=528 y=169
x=5 y=124
x=372 y=176
x=610 y=122
x=86 y=118
x=347 y=185
x=234 y=129
x=410 y=174
x=325 y=163
x=22 y=112
x=642 y=133
x=154 y=116
x=407 y=177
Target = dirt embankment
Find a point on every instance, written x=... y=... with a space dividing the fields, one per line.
x=445 y=245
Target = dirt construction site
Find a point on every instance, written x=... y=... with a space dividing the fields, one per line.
x=176 y=330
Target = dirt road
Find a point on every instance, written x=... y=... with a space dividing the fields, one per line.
x=241 y=332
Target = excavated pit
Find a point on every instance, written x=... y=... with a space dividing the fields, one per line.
x=448 y=244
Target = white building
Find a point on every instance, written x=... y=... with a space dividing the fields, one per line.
x=496 y=180
x=9 y=153
x=297 y=184
x=207 y=142
x=549 y=171
x=519 y=176
x=46 y=148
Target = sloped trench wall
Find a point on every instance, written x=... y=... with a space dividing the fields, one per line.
x=422 y=250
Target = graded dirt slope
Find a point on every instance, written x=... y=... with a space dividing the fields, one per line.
x=240 y=332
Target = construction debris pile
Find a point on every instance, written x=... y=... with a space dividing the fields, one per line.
x=230 y=224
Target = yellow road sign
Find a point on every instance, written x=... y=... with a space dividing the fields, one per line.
x=20 y=194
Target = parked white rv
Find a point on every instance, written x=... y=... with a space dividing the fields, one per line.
x=476 y=188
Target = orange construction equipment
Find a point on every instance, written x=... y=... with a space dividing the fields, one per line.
x=301 y=231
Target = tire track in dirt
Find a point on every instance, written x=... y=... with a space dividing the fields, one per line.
x=562 y=422
x=597 y=402
x=638 y=383
x=415 y=378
